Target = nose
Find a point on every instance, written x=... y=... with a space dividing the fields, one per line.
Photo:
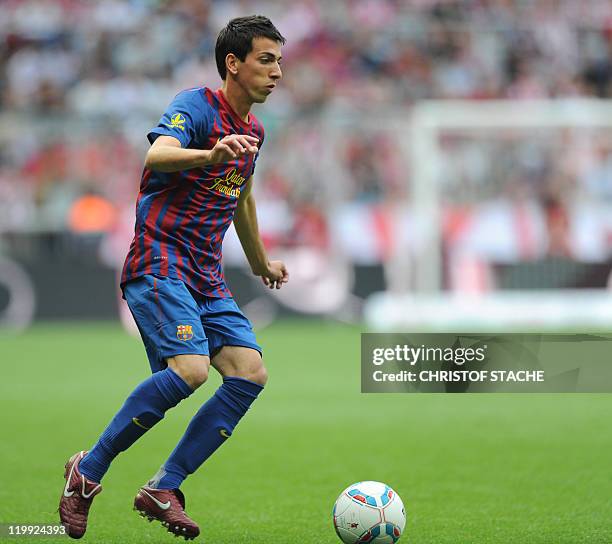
x=276 y=73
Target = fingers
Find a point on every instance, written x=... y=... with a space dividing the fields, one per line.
x=241 y=143
x=248 y=137
x=277 y=284
x=276 y=276
x=273 y=284
x=234 y=146
x=270 y=283
x=226 y=150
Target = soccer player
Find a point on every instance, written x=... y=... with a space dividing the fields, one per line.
x=197 y=178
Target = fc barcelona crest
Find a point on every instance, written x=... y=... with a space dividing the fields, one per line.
x=184 y=332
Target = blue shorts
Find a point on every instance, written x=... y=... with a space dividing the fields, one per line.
x=173 y=319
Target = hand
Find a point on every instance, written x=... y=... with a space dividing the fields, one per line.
x=231 y=147
x=275 y=275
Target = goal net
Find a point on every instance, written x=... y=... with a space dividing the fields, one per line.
x=512 y=212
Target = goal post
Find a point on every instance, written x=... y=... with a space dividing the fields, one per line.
x=441 y=135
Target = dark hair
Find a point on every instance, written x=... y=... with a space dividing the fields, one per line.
x=237 y=38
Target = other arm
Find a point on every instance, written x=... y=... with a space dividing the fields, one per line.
x=273 y=273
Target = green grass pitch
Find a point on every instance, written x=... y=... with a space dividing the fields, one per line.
x=470 y=468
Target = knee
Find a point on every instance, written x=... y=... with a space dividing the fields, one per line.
x=241 y=362
x=197 y=377
x=194 y=377
x=256 y=373
x=259 y=375
x=192 y=368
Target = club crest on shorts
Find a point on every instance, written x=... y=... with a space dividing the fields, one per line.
x=184 y=332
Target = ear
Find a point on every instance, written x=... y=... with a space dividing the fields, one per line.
x=231 y=63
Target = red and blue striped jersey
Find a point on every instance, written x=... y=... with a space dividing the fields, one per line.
x=182 y=217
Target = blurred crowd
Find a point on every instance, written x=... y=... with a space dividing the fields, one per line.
x=120 y=55
x=82 y=81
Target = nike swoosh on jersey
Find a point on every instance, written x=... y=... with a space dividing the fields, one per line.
x=224 y=433
x=162 y=505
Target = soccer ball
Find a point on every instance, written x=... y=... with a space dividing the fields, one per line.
x=369 y=512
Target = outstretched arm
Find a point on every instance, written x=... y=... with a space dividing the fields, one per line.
x=167 y=155
x=273 y=273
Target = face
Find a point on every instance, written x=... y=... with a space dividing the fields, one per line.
x=260 y=71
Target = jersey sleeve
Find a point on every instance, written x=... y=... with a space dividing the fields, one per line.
x=185 y=119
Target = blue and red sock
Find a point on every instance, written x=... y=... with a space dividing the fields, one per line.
x=212 y=425
x=145 y=406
